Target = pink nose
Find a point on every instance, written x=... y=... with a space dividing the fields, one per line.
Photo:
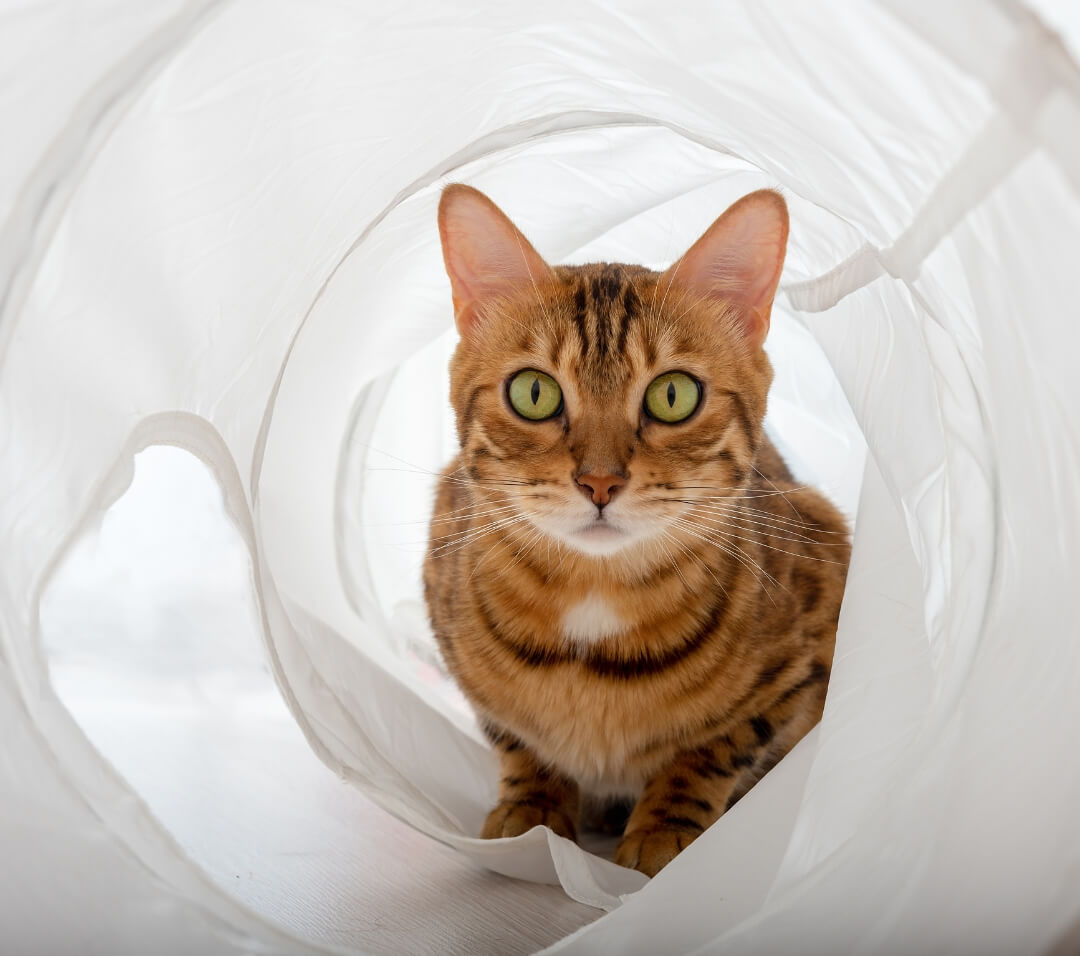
x=600 y=488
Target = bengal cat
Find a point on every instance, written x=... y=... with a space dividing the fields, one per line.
x=623 y=577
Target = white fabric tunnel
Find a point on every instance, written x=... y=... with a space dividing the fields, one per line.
x=217 y=232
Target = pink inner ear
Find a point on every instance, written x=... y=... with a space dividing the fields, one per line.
x=486 y=256
x=739 y=259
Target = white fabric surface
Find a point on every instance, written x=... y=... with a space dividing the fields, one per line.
x=218 y=233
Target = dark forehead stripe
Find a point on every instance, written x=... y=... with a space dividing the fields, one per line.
x=607 y=294
x=580 y=318
x=631 y=306
x=598 y=307
x=604 y=303
x=609 y=302
x=558 y=340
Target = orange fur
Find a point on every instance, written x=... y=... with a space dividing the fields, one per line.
x=675 y=668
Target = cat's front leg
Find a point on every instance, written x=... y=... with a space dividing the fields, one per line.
x=684 y=799
x=530 y=795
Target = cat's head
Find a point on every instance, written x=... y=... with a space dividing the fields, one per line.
x=604 y=403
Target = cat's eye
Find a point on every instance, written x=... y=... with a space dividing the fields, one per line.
x=672 y=397
x=534 y=395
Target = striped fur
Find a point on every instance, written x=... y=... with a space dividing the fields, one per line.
x=726 y=602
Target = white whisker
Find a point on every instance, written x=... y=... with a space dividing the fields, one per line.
x=729 y=548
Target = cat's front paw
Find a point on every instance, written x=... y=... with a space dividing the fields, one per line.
x=512 y=818
x=651 y=849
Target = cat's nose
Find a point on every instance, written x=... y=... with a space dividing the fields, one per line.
x=600 y=488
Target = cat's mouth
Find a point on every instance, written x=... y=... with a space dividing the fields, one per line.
x=600 y=528
x=600 y=536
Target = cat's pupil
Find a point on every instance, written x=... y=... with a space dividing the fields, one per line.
x=671 y=394
x=535 y=392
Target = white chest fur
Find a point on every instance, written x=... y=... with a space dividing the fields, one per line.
x=591 y=620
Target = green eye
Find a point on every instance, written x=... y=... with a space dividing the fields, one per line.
x=672 y=397
x=534 y=395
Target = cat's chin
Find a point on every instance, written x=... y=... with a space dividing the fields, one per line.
x=598 y=539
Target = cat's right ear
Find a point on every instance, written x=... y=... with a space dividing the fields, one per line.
x=739 y=259
x=486 y=255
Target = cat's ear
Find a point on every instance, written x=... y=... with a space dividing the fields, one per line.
x=739 y=259
x=485 y=254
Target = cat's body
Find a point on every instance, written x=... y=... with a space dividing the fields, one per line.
x=635 y=607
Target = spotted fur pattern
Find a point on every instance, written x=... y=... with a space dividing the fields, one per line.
x=674 y=670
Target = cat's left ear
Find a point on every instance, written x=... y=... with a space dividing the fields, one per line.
x=486 y=255
x=739 y=260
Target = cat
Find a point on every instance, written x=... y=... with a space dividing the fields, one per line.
x=622 y=575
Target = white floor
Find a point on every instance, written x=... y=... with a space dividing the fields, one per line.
x=248 y=800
